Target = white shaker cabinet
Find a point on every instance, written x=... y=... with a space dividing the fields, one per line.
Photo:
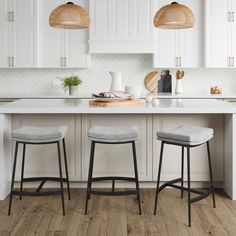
x=220 y=33
x=18 y=33
x=61 y=48
x=180 y=48
x=121 y=26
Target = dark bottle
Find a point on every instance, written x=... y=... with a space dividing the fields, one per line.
x=167 y=84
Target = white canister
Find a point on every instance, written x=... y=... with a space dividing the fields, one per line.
x=134 y=90
x=179 y=86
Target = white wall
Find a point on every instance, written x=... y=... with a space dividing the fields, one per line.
x=98 y=79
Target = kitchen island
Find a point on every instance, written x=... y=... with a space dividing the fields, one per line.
x=78 y=115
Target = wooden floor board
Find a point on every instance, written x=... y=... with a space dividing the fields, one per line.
x=118 y=216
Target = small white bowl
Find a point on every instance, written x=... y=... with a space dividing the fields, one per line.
x=134 y=90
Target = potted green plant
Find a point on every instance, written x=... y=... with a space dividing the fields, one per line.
x=72 y=84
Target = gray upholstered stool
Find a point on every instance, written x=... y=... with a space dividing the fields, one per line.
x=185 y=137
x=35 y=136
x=112 y=135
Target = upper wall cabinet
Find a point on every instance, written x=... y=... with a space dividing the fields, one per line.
x=121 y=26
x=220 y=26
x=60 y=48
x=180 y=48
x=18 y=33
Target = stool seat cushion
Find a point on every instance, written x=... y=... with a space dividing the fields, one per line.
x=186 y=135
x=113 y=134
x=39 y=134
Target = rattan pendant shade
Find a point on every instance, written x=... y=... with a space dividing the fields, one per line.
x=69 y=16
x=174 y=16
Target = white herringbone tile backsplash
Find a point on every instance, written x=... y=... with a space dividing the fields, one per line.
x=97 y=78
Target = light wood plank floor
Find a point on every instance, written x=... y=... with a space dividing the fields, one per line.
x=111 y=216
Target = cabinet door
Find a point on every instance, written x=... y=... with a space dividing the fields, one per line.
x=5 y=33
x=76 y=45
x=171 y=167
x=117 y=160
x=180 y=48
x=190 y=48
x=5 y=39
x=217 y=34
x=233 y=33
x=24 y=33
x=42 y=160
x=165 y=49
x=52 y=40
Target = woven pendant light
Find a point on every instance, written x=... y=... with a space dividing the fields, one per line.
x=174 y=16
x=69 y=16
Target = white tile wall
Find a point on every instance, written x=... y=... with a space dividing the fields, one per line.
x=97 y=78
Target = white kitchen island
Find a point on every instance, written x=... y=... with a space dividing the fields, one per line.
x=79 y=116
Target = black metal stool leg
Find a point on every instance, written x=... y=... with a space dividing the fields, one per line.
x=61 y=181
x=13 y=178
x=22 y=170
x=182 y=173
x=90 y=173
x=136 y=176
x=113 y=186
x=189 y=189
x=158 y=177
x=66 y=168
x=211 y=176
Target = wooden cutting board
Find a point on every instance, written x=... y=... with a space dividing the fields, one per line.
x=133 y=102
x=151 y=81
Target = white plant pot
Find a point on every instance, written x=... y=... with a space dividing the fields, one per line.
x=179 y=86
x=73 y=90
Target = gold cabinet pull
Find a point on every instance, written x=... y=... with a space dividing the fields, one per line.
x=11 y=61
x=180 y=61
x=232 y=62
x=9 y=16
x=176 y=61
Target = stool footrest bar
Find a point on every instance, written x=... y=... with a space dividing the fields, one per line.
x=118 y=193
x=36 y=194
x=186 y=189
x=43 y=179
x=169 y=183
x=202 y=196
x=113 y=178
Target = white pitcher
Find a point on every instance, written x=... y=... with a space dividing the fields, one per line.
x=118 y=81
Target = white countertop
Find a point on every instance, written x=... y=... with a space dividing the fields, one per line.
x=81 y=106
x=25 y=95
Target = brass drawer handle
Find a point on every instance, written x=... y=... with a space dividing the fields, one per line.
x=229 y=61
x=176 y=61
x=180 y=61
